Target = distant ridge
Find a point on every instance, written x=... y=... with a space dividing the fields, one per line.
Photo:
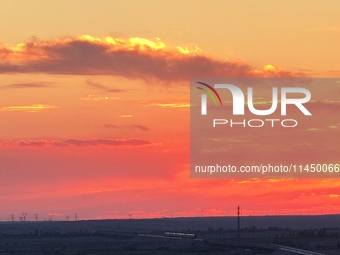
x=184 y=223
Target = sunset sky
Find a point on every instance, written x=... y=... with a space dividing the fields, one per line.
x=94 y=103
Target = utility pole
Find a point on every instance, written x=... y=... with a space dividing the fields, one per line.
x=238 y=221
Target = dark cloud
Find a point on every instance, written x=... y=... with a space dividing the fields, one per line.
x=139 y=127
x=11 y=68
x=129 y=59
x=115 y=90
x=27 y=85
x=96 y=85
x=102 y=87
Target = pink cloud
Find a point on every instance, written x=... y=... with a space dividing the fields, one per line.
x=129 y=127
x=77 y=142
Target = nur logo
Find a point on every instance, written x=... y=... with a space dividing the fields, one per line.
x=239 y=101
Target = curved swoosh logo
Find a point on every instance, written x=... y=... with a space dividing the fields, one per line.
x=209 y=92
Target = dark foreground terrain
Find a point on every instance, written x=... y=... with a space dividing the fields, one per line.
x=276 y=235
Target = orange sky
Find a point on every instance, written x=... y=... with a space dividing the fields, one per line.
x=94 y=103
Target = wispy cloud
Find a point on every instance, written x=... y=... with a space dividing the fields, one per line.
x=112 y=142
x=136 y=58
x=139 y=127
x=334 y=195
x=166 y=104
x=77 y=142
x=102 y=87
x=173 y=105
x=27 y=85
x=115 y=90
x=98 y=98
x=28 y=108
x=126 y=116
x=96 y=85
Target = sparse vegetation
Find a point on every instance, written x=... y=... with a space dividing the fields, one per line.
x=147 y=237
